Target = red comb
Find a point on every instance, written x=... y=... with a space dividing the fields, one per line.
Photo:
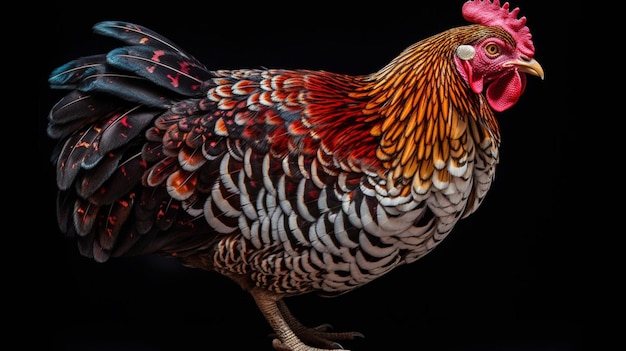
x=490 y=13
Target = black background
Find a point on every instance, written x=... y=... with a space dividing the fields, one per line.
x=505 y=279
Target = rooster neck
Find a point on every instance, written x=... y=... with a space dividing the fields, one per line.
x=429 y=119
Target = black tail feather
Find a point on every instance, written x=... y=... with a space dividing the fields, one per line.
x=71 y=74
x=134 y=34
x=166 y=69
x=78 y=109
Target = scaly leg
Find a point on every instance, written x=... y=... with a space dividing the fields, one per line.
x=291 y=334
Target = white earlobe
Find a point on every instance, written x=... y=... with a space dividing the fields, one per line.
x=465 y=52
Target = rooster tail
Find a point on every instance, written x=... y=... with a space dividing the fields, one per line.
x=100 y=124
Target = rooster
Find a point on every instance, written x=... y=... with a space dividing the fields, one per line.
x=286 y=181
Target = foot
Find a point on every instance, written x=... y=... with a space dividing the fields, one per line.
x=290 y=334
x=321 y=336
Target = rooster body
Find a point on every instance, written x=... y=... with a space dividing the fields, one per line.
x=286 y=181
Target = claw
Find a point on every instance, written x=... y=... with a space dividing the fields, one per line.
x=337 y=345
x=324 y=327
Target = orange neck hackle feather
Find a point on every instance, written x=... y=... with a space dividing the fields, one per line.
x=426 y=113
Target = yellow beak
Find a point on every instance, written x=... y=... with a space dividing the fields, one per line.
x=531 y=67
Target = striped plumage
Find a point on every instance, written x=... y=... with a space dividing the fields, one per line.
x=286 y=181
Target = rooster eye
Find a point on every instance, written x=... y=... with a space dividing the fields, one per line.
x=492 y=50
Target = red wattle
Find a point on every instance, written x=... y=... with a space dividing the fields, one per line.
x=504 y=92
